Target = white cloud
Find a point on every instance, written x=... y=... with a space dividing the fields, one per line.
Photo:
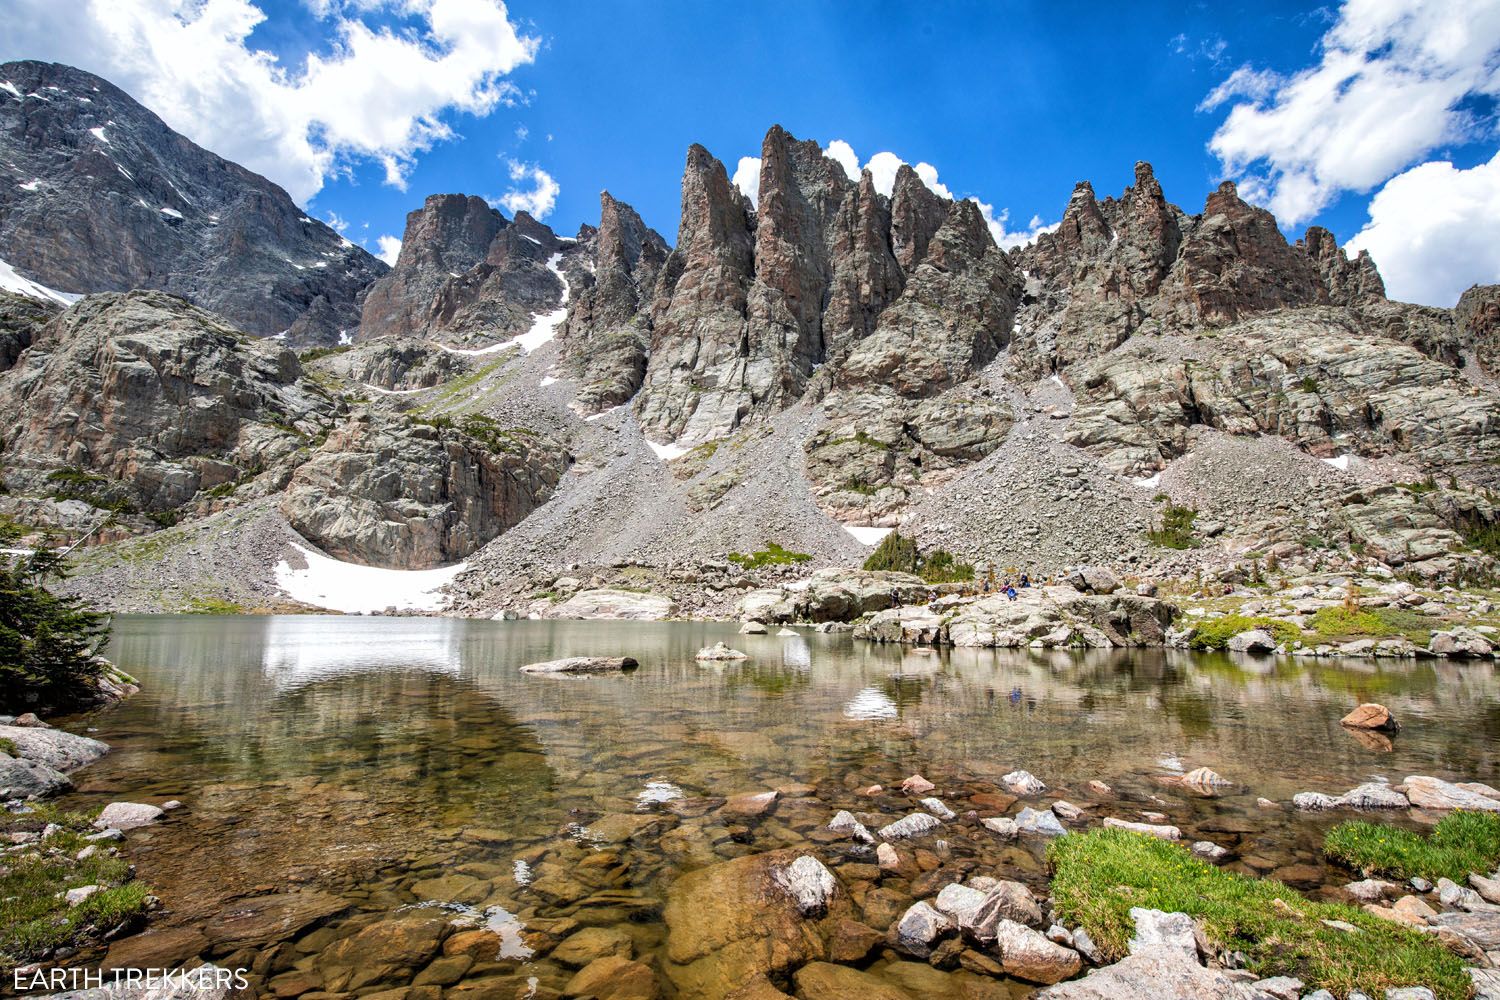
x=337 y=222
x=1434 y=230
x=843 y=153
x=927 y=173
x=390 y=249
x=1389 y=87
x=522 y=132
x=747 y=178
x=378 y=94
x=882 y=168
x=1004 y=238
x=536 y=200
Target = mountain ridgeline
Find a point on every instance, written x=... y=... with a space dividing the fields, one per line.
x=826 y=355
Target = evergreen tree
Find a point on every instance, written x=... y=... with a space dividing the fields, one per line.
x=47 y=641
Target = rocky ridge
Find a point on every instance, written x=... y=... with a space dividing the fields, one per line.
x=98 y=194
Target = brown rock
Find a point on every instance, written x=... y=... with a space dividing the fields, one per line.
x=614 y=978
x=851 y=941
x=1371 y=716
x=822 y=981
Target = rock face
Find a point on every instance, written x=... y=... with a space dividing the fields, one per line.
x=1041 y=617
x=1313 y=376
x=98 y=194
x=607 y=336
x=156 y=396
x=383 y=491
x=466 y=274
x=396 y=364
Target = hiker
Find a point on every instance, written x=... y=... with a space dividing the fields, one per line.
x=1010 y=591
x=1025 y=581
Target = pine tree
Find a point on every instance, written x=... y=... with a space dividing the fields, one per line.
x=47 y=641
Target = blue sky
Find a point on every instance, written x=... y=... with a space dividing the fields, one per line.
x=1375 y=118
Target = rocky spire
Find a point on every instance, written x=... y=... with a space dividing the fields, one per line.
x=607 y=333
x=1236 y=262
x=916 y=214
x=1148 y=230
x=696 y=381
x=1350 y=283
x=866 y=277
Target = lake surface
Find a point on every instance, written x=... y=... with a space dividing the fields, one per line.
x=389 y=762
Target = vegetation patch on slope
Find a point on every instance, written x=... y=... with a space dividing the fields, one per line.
x=1461 y=843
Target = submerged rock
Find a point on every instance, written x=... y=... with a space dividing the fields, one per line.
x=844 y=822
x=919 y=929
x=1434 y=793
x=1039 y=821
x=127 y=816
x=913 y=825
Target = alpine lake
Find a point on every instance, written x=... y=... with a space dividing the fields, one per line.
x=354 y=787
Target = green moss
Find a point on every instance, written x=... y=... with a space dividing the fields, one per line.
x=1174 y=530
x=1338 y=621
x=314 y=353
x=772 y=555
x=1461 y=843
x=1099 y=876
x=8 y=746
x=1309 y=384
x=856 y=485
x=1215 y=633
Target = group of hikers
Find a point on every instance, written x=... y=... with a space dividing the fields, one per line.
x=1011 y=588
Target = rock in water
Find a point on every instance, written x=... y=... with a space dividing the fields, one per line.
x=126 y=816
x=720 y=651
x=1159 y=831
x=1434 y=793
x=808 y=882
x=919 y=929
x=1024 y=783
x=1205 y=780
x=844 y=822
x=1371 y=716
x=582 y=665
x=1039 y=821
x=752 y=628
x=1027 y=954
x=912 y=825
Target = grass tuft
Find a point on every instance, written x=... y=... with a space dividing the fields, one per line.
x=1215 y=633
x=1461 y=843
x=772 y=555
x=1100 y=875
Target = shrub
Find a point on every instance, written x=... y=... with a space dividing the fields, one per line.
x=772 y=555
x=1100 y=875
x=1215 y=633
x=1461 y=843
x=47 y=641
x=1175 y=530
x=897 y=553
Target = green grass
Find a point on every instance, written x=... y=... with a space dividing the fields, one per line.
x=1339 y=622
x=314 y=353
x=1175 y=529
x=1215 y=633
x=8 y=746
x=1099 y=876
x=213 y=606
x=1461 y=843
x=897 y=553
x=772 y=555
x=32 y=919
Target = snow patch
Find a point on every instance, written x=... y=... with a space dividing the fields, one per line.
x=1149 y=482
x=1059 y=381
x=866 y=535
x=10 y=88
x=1341 y=463
x=344 y=339
x=10 y=281
x=98 y=133
x=604 y=413
x=170 y=213
x=548 y=380
x=31 y=185
x=355 y=589
x=667 y=452
x=531 y=238
x=543 y=326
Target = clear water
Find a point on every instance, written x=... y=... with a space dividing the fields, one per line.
x=363 y=757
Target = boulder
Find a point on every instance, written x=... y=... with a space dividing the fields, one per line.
x=1161 y=973
x=845 y=823
x=1434 y=793
x=387 y=951
x=1023 y=783
x=720 y=651
x=29 y=779
x=825 y=981
x=127 y=816
x=1159 y=831
x=1371 y=716
x=1255 y=640
x=732 y=922
x=582 y=665
x=1155 y=929
x=919 y=929
x=1029 y=955
x=911 y=825
x=623 y=605
x=54 y=748
x=752 y=628
x=1005 y=900
x=808 y=882
x=1460 y=643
